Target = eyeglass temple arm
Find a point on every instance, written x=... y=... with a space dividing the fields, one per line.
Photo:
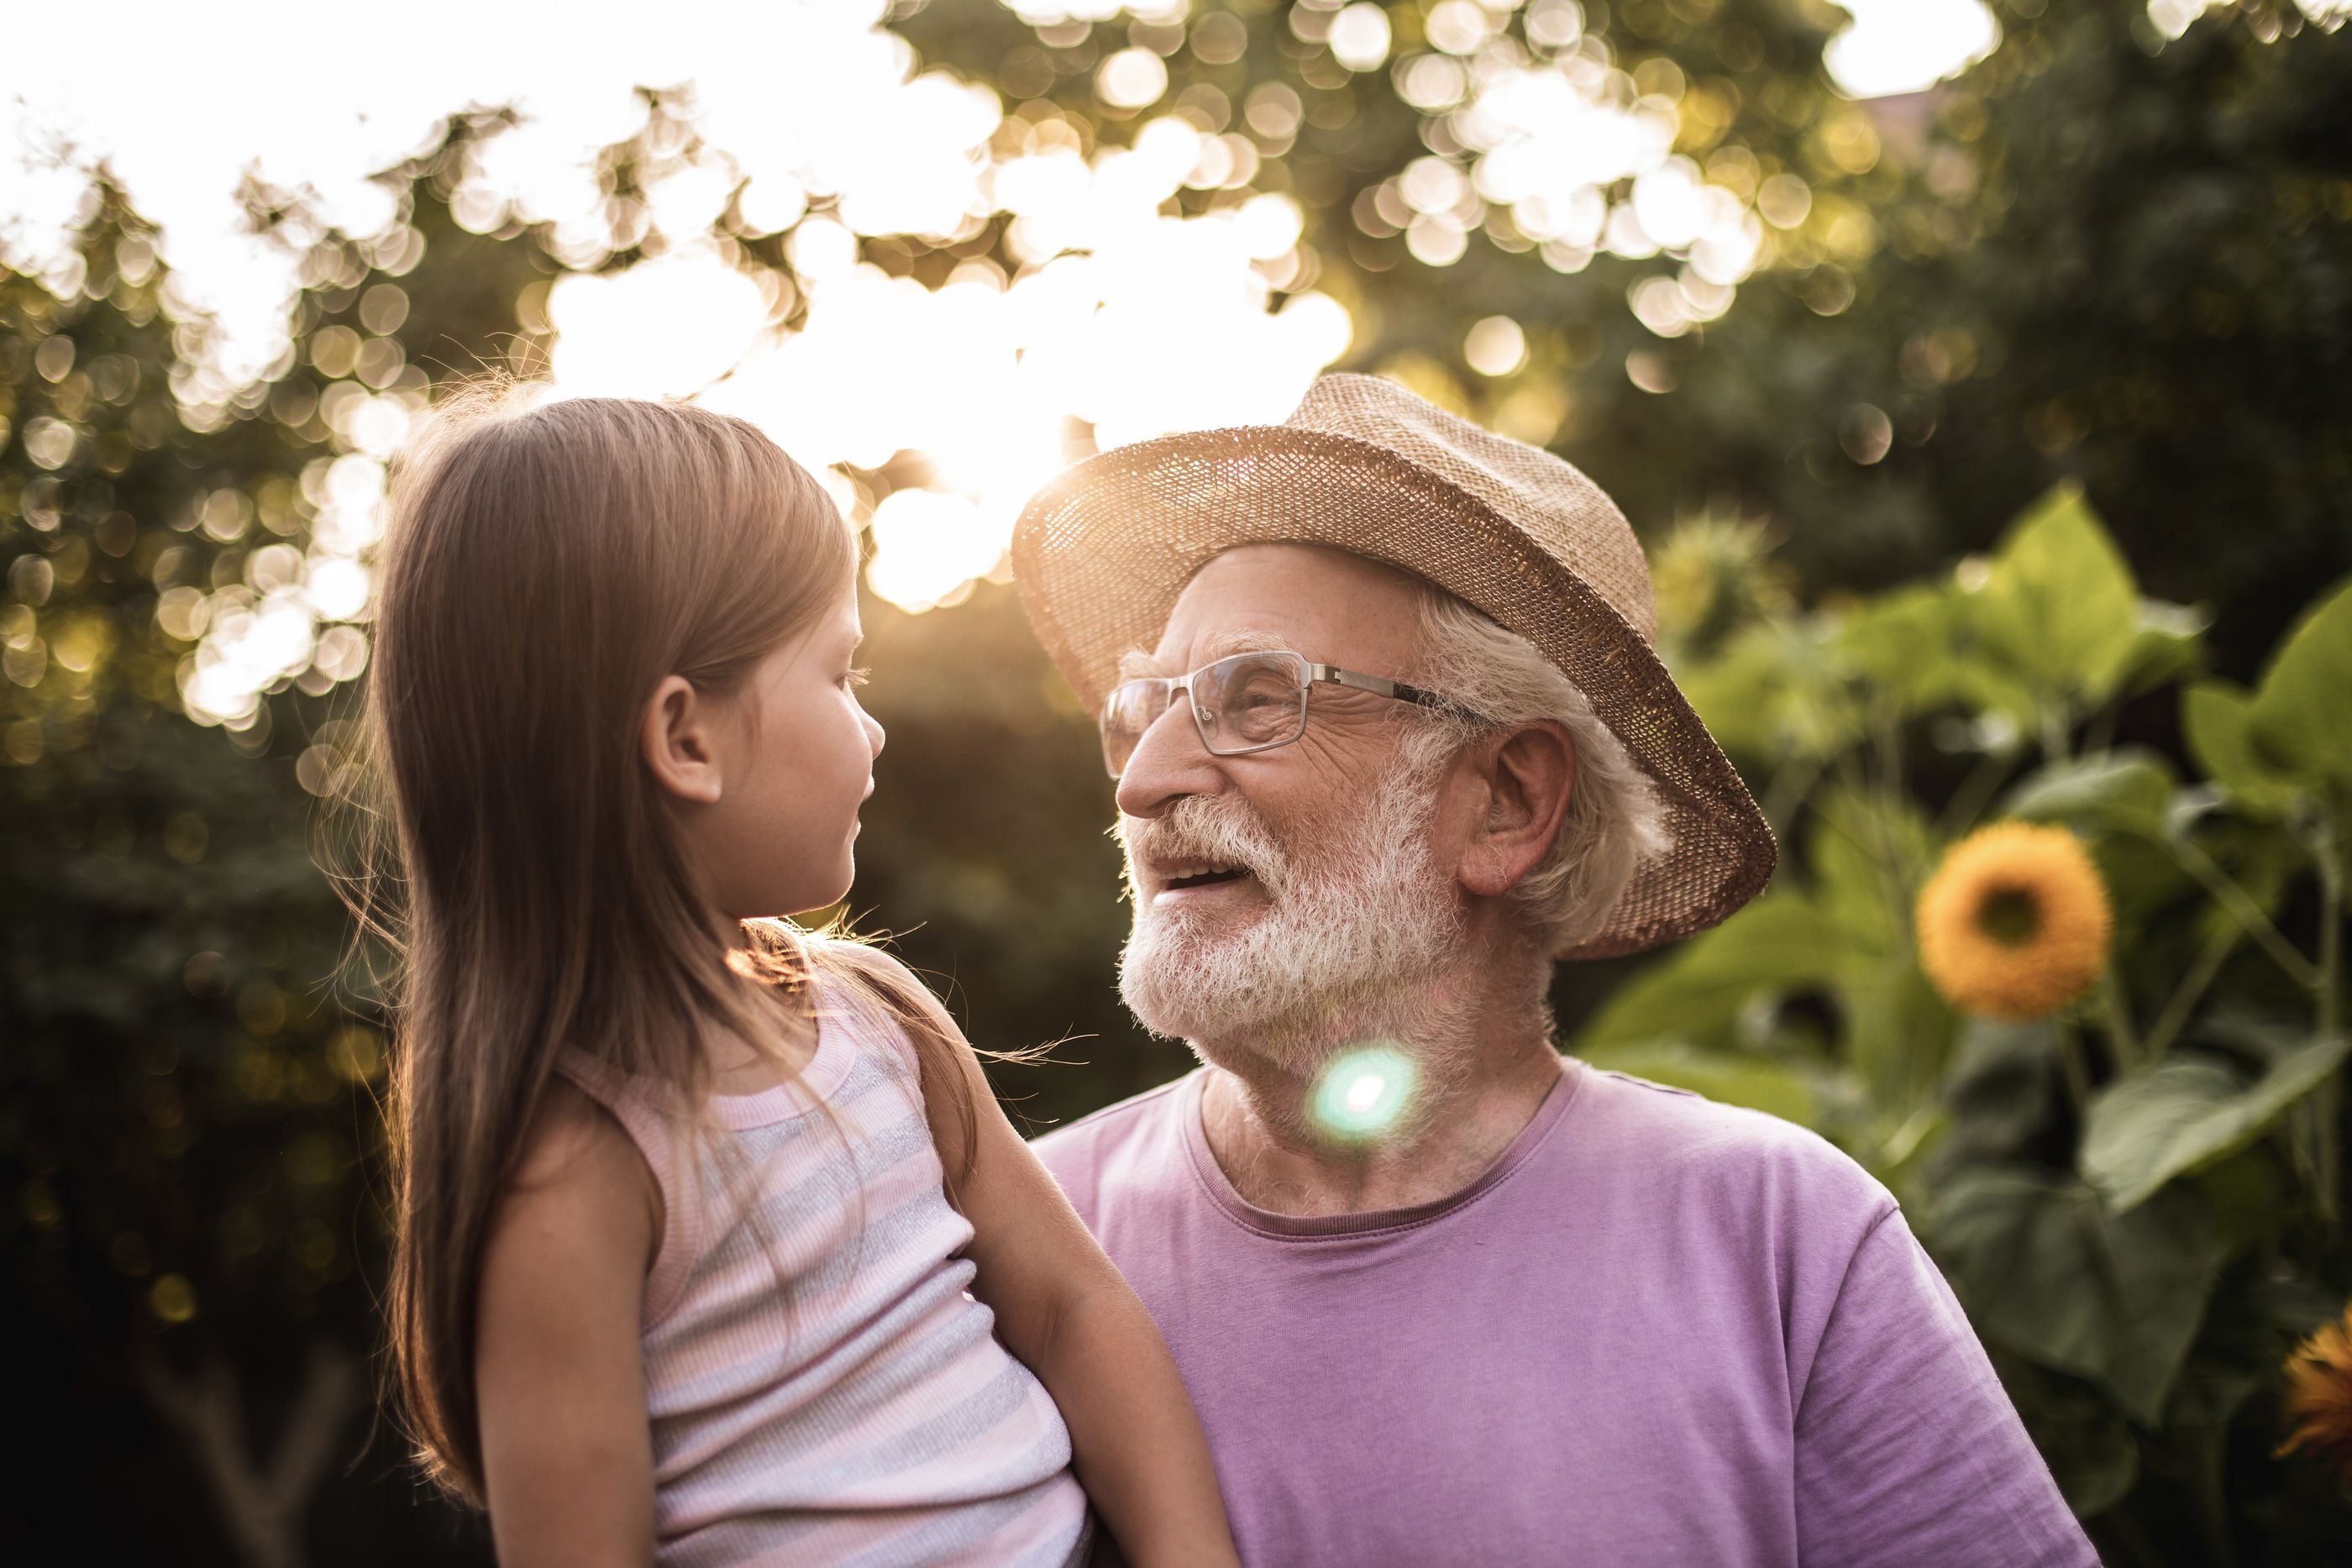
x=1379 y=686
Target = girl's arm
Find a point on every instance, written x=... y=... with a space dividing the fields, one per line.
x=567 y=1452
x=1065 y=1311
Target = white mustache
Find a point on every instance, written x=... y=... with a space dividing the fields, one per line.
x=1195 y=829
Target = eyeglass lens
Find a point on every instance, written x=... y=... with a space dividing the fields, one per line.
x=1249 y=702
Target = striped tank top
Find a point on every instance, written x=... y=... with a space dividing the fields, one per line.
x=824 y=1388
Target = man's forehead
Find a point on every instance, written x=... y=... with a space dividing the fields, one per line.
x=1135 y=662
x=1326 y=603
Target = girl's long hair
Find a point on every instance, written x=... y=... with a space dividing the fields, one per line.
x=544 y=568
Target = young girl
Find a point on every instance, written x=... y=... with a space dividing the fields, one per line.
x=705 y=1221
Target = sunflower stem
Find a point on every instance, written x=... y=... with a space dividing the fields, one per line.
x=2328 y=854
x=2212 y=1495
x=1976 y=791
x=2245 y=910
x=2218 y=945
x=2053 y=734
x=2070 y=1060
x=1791 y=782
x=1876 y=845
x=2115 y=1009
x=2100 y=737
x=2327 y=1107
x=1889 y=728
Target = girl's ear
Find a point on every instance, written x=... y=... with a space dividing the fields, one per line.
x=676 y=739
x=1529 y=775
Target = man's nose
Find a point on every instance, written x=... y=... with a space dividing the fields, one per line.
x=1169 y=763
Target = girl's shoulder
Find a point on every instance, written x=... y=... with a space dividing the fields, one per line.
x=870 y=973
x=581 y=1168
x=852 y=986
x=872 y=996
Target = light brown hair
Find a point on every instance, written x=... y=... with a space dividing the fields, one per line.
x=544 y=569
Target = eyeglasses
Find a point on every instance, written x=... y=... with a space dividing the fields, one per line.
x=1249 y=702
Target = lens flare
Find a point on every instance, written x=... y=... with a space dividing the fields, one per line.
x=1364 y=1094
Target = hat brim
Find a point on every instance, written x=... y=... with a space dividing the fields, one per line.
x=1101 y=554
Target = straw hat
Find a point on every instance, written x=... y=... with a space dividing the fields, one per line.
x=1364 y=465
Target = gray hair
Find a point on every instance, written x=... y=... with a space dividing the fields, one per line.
x=1614 y=821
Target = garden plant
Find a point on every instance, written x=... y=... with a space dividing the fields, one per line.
x=1999 y=526
x=2080 y=1008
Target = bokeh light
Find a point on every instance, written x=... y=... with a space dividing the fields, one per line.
x=1358 y=38
x=1908 y=45
x=815 y=122
x=1364 y=1094
x=929 y=409
x=1496 y=346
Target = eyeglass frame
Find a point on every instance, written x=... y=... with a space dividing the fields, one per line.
x=1355 y=680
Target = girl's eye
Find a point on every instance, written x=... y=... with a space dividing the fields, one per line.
x=853 y=679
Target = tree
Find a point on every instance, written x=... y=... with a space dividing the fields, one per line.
x=2090 y=258
x=189 y=1127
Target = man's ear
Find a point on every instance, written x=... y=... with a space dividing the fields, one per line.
x=676 y=737
x=1528 y=773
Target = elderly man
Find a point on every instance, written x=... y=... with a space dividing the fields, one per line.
x=1389 y=737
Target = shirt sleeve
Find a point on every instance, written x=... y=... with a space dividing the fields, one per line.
x=1908 y=1449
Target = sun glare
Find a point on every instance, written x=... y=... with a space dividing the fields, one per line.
x=1364 y=1094
x=1110 y=313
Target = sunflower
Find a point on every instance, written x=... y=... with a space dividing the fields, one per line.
x=2014 y=924
x=2319 y=1394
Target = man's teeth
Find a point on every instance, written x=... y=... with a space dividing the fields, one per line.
x=1187 y=873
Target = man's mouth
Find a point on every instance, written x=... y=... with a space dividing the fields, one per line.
x=1176 y=879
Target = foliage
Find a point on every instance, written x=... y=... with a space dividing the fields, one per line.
x=2088 y=259
x=2127 y=1191
x=2091 y=258
x=187 y=1118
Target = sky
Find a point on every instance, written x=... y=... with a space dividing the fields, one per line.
x=811 y=99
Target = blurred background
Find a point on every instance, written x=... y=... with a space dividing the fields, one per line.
x=1979 y=376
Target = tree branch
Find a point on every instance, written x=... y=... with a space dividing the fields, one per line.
x=262 y=1510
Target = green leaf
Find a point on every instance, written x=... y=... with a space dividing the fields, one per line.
x=1898 y=1031
x=1869 y=854
x=1900 y=644
x=1772 y=693
x=2089 y=1450
x=2299 y=713
x=1729 y=1077
x=2002 y=1090
x=1774 y=946
x=2218 y=720
x=2060 y=607
x=1985 y=687
x=2048 y=1272
x=2170 y=643
x=2128 y=790
x=2188 y=1112
x=2263 y=859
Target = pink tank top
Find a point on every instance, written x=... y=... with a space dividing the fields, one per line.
x=824 y=1388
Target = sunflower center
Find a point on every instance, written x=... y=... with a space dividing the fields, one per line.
x=2011 y=916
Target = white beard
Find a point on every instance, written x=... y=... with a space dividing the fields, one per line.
x=1347 y=944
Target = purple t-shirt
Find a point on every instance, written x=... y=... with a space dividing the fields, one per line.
x=1657 y=1330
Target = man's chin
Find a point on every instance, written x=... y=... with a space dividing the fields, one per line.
x=1180 y=996
x=1165 y=983
x=1166 y=1010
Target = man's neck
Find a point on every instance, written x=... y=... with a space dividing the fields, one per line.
x=1485 y=1064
